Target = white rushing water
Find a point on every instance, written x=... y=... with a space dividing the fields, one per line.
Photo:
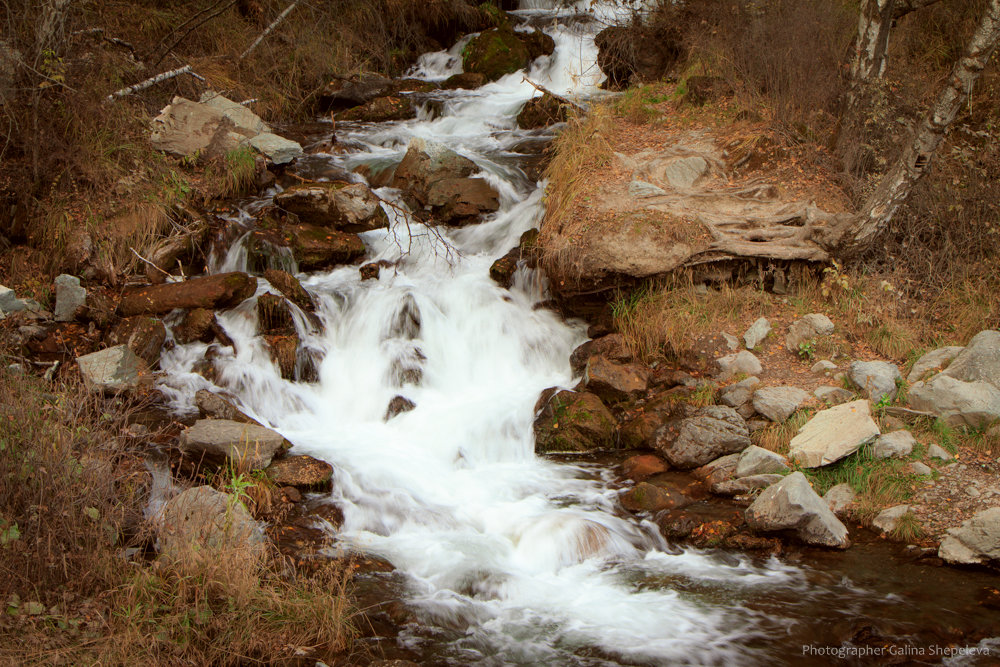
x=525 y=559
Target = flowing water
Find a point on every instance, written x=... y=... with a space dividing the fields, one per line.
x=508 y=558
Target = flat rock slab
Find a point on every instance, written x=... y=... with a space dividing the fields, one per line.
x=791 y=504
x=222 y=290
x=778 y=403
x=832 y=434
x=276 y=149
x=740 y=393
x=301 y=471
x=248 y=445
x=112 y=370
x=976 y=541
x=348 y=207
x=756 y=460
x=877 y=379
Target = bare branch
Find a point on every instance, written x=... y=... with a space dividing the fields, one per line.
x=268 y=29
x=143 y=85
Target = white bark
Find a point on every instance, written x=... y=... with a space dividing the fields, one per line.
x=152 y=81
x=268 y=29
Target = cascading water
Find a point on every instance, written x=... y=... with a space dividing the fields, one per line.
x=516 y=559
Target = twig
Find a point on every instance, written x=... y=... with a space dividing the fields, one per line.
x=560 y=98
x=190 y=30
x=113 y=40
x=150 y=263
x=268 y=29
x=143 y=85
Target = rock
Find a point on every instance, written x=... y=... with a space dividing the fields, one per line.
x=9 y=303
x=918 y=468
x=541 y=112
x=757 y=332
x=196 y=325
x=718 y=471
x=778 y=403
x=213 y=406
x=348 y=207
x=939 y=452
x=188 y=128
x=427 y=162
x=638 y=431
x=142 y=334
x=932 y=362
x=957 y=403
x=740 y=393
x=643 y=466
x=397 y=406
x=465 y=80
x=888 y=519
x=291 y=288
x=615 y=382
x=112 y=370
x=791 y=504
x=344 y=93
x=741 y=362
x=276 y=149
x=573 y=422
x=756 y=460
x=976 y=541
x=303 y=472
x=682 y=173
x=221 y=290
x=744 y=485
x=644 y=497
x=979 y=361
x=839 y=498
x=876 y=379
x=805 y=329
x=824 y=367
x=731 y=341
x=612 y=346
x=625 y=56
x=381 y=110
x=283 y=348
x=242 y=117
x=494 y=53
x=460 y=200
x=833 y=395
x=274 y=315
x=249 y=446
x=712 y=432
x=202 y=524
x=895 y=445
x=70 y=298
x=832 y=434
x=317 y=248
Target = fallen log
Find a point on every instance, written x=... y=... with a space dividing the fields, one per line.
x=222 y=290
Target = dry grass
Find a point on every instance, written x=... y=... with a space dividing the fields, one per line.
x=776 y=437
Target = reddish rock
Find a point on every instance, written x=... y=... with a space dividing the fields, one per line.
x=570 y=421
x=320 y=248
x=223 y=290
x=290 y=286
x=638 y=431
x=213 y=406
x=457 y=201
x=302 y=472
x=141 y=334
x=196 y=325
x=645 y=497
x=643 y=466
x=615 y=382
x=611 y=346
x=273 y=315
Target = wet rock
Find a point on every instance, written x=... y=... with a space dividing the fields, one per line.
x=274 y=314
x=573 y=422
x=427 y=162
x=805 y=329
x=276 y=149
x=113 y=370
x=284 y=352
x=791 y=504
x=142 y=334
x=70 y=298
x=976 y=541
x=221 y=290
x=291 y=288
x=644 y=497
x=876 y=379
x=213 y=406
x=347 y=207
x=932 y=362
x=887 y=520
x=757 y=332
x=939 y=452
x=615 y=382
x=196 y=325
x=839 y=498
x=895 y=445
x=832 y=434
x=639 y=430
x=611 y=346
x=541 y=112
x=202 y=524
x=502 y=270
x=741 y=362
x=833 y=395
x=398 y=405
x=303 y=472
x=743 y=485
x=317 y=248
x=643 y=466
x=712 y=432
x=718 y=471
x=756 y=460
x=372 y=270
x=457 y=201
x=344 y=93
x=778 y=403
x=381 y=110
x=248 y=446
x=465 y=80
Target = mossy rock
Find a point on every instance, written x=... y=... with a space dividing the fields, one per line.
x=574 y=422
x=495 y=53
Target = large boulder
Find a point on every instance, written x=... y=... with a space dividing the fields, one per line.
x=615 y=382
x=348 y=207
x=113 y=370
x=203 y=525
x=979 y=361
x=832 y=434
x=318 y=248
x=276 y=149
x=805 y=329
x=248 y=446
x=792 y=504
x=976 y=541
x=188 y=128
x=877 y=379
x=344 y=93
x=712 y=432
x=381 y=110
x=242 y=117
x=569 y=421
x=612 y=346
x=778 y=403
x=932 y=362
x=221 y=290
x=461 y=200
x=645 y=497
x=968 y=391
x=213 y=406
x=494 y=53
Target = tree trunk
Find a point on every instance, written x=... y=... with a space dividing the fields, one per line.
x=896 y=185
x=874 y=21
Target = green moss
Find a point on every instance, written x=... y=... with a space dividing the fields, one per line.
x=495 y=53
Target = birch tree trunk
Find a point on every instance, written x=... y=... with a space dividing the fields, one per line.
x=874 y=21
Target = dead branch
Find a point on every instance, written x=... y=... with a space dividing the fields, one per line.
x=559 y=98
x=148 y=83
x=192 y=29
x=268 y=29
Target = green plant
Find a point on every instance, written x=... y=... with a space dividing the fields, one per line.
x=907 y=528
x=807 y=349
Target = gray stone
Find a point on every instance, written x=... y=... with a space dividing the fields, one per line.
x=9 y=303
x=348 y=208
x=973 y=491
x=823 y=367
x=641 y=189
x=875 y=378
x=757 y=332
x=976 y=541
x=240 y=115
x=833 y=395
x=895 y=445
x=918 y=468
x=714 y=431
x=741 y=362
x=249 y=446
x=683 y=172
x=213 y=406
x=832 y=434
x=932 y=362
x=732 y=342
x=70 y=297
x=979 y=361
x=778 y=403
x=958 y=403
x=738 y=394
x=188 y=128
x=742 y=485
x=276 y=149
x=805 y=329
x=718 y=471
x=202 y=524
x=112 y=370
x=756 y=460
x=791 y=504
x=888 y=519
x=839 y=498
x=939 y=452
